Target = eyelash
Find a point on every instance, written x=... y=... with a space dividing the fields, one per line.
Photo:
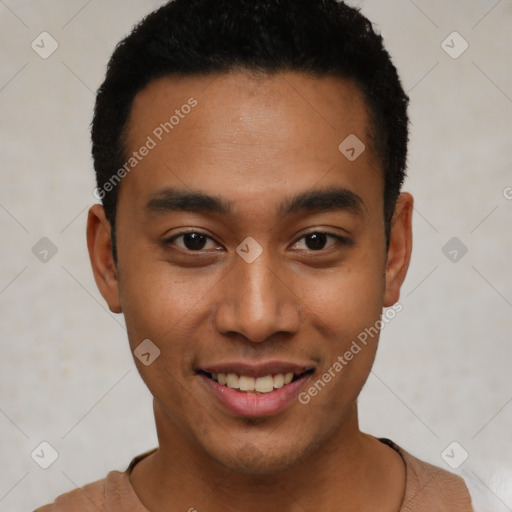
x=340 y=240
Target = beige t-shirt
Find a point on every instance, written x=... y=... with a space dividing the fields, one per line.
x=428 y=489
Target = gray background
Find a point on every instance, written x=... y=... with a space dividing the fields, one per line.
x=443 y=370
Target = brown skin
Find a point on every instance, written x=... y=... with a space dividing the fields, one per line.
x=255 y=141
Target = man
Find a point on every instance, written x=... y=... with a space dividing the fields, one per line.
x=249 y=158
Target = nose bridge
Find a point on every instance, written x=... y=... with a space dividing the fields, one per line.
x=257 y=303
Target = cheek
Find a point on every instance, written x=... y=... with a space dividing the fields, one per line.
x=344 y=301
x=345 y=309
x=167 y=307
x=157 y=298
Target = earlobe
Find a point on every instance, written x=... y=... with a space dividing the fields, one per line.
x=104 y=269
x=400 y=247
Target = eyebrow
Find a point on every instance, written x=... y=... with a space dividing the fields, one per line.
x=316 y=201
x=174 y=199
x=312 y=201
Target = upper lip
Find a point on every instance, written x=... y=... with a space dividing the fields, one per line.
x=256 y=370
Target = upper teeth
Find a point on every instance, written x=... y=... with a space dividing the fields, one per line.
x=264 y=384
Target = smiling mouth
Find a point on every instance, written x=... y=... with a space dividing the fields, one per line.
x=255 y=385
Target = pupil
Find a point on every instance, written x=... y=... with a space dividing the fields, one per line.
x=194 y=241
x=316 y=241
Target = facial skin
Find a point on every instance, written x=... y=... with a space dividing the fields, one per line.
x=255 y=143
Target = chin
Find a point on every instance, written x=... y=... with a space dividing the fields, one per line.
x=251 y=461
x=263 y=459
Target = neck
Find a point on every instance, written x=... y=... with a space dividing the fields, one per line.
x=351 y=471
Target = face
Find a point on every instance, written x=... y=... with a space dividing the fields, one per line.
x=251 y=251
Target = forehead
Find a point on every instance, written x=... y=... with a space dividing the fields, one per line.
x=247 y=134
x=257 y=98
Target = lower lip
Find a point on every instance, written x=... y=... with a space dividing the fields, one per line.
x=254 y=405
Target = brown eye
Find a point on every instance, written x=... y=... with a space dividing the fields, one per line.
x=192 y=241
x=316 y=241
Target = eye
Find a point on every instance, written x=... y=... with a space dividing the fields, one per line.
x=192 y=241
x=319 y=240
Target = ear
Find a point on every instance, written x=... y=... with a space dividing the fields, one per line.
x=102 y=261
x=400 y=247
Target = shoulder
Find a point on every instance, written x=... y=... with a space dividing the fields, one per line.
x=113 y=493
x=429 y=487
x=89 y=498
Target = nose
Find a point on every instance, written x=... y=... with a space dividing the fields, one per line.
x=257 y=301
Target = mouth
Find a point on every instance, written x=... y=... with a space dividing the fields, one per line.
x=254 y=392
x=256 y=385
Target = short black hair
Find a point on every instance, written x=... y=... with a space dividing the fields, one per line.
x=199 y=37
